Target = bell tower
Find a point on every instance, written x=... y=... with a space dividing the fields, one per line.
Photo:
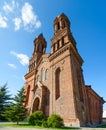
x=39 y=45
x=69 y=82
x=62 y=33
x=60 y=23
x=39 y=49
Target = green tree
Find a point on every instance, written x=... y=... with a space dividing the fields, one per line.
x=17 y=111
x=4 y=100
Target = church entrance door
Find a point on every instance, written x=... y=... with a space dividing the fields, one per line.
x=36 y=104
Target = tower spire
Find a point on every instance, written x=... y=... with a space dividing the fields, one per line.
x=39 y=45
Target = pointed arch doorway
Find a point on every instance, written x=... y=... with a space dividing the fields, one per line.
x=36 y=104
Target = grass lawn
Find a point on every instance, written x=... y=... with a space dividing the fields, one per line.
x=26 y=125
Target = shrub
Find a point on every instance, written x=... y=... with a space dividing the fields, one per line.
x=36 y=118
x=31 y=120
x=55 y=121
x=44 y=123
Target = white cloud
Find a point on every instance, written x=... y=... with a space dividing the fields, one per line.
x=38 y=24
x=23 y=59
x=17 y=23
x=12 y=65
x=9 y=7
x=28 y=16
x=19 y=13
x=3 y=21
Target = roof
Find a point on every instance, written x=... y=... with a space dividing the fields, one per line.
x=89 y=88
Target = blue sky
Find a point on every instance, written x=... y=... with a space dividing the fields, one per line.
x=22 y=20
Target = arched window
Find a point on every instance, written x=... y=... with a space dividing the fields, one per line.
x=57 y=83
x=40 y=48
x=62 y=41
x=58 y=26
x=63 y=24
x=58 y=44
x=42 y=74
x=46 y=75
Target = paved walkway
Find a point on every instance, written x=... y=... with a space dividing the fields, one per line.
x=93 y=128
x=10 y=128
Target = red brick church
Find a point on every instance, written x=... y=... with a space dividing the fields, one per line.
x=55 y=82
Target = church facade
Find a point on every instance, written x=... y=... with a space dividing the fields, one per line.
x=55 y=82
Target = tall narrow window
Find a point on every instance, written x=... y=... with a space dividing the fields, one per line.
x=46 y=75
x=63 y=23
x=40 y=48
x=58 y=25
x=54 y=48
x=42 y=74
x=58 y=44
x=62 y=41
x=57 y=83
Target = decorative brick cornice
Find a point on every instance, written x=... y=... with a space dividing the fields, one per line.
x=28 y=75
x=69 y=47
x=60 y=34
x=58 y=52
